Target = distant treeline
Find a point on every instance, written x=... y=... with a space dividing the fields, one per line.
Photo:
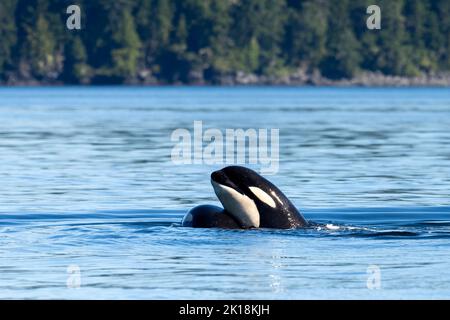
x=203 y=41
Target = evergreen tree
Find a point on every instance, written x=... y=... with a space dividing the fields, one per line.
x=38 y=46
x=163 y=22
x=192 y=40
x=394 y=56
x=307 y=33
x=417 y=26
x=76 y=69
x=174 y=61
x=115 y=45
x=441 y=40
x=221 y=43
x=262 y=21
x=8 y=33
x=126 y=53
x=369 y=39
x=154 y=26
x=343 y=55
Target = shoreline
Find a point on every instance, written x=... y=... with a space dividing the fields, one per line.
x=298 y=79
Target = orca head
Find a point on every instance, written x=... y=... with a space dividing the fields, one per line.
x=247 y=196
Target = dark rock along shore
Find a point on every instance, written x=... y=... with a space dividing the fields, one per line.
x=298 y=78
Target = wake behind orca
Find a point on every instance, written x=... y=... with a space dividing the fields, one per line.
x=249 y=201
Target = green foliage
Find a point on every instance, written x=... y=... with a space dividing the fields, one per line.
x=76 y=69
x=8 y=37
x=127 y=46
x=306 y=34
x=395 y=55
x=262 y=21
x=343 y=52
x=441 y=40
x=200 y=40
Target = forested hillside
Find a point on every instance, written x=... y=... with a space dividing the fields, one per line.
x=207 y=41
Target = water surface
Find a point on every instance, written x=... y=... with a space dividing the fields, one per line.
x=87 y=180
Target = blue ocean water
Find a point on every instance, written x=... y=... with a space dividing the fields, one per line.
x=90 y=201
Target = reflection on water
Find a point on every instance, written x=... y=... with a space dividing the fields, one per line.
x=86 y=180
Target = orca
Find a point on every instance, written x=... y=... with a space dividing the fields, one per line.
x=249 y=201
x=208 y=216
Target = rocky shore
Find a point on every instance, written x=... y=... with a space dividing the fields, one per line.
x=366 y=79
x=298 y=78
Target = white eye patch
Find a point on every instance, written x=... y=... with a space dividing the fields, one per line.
x=263 y=196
